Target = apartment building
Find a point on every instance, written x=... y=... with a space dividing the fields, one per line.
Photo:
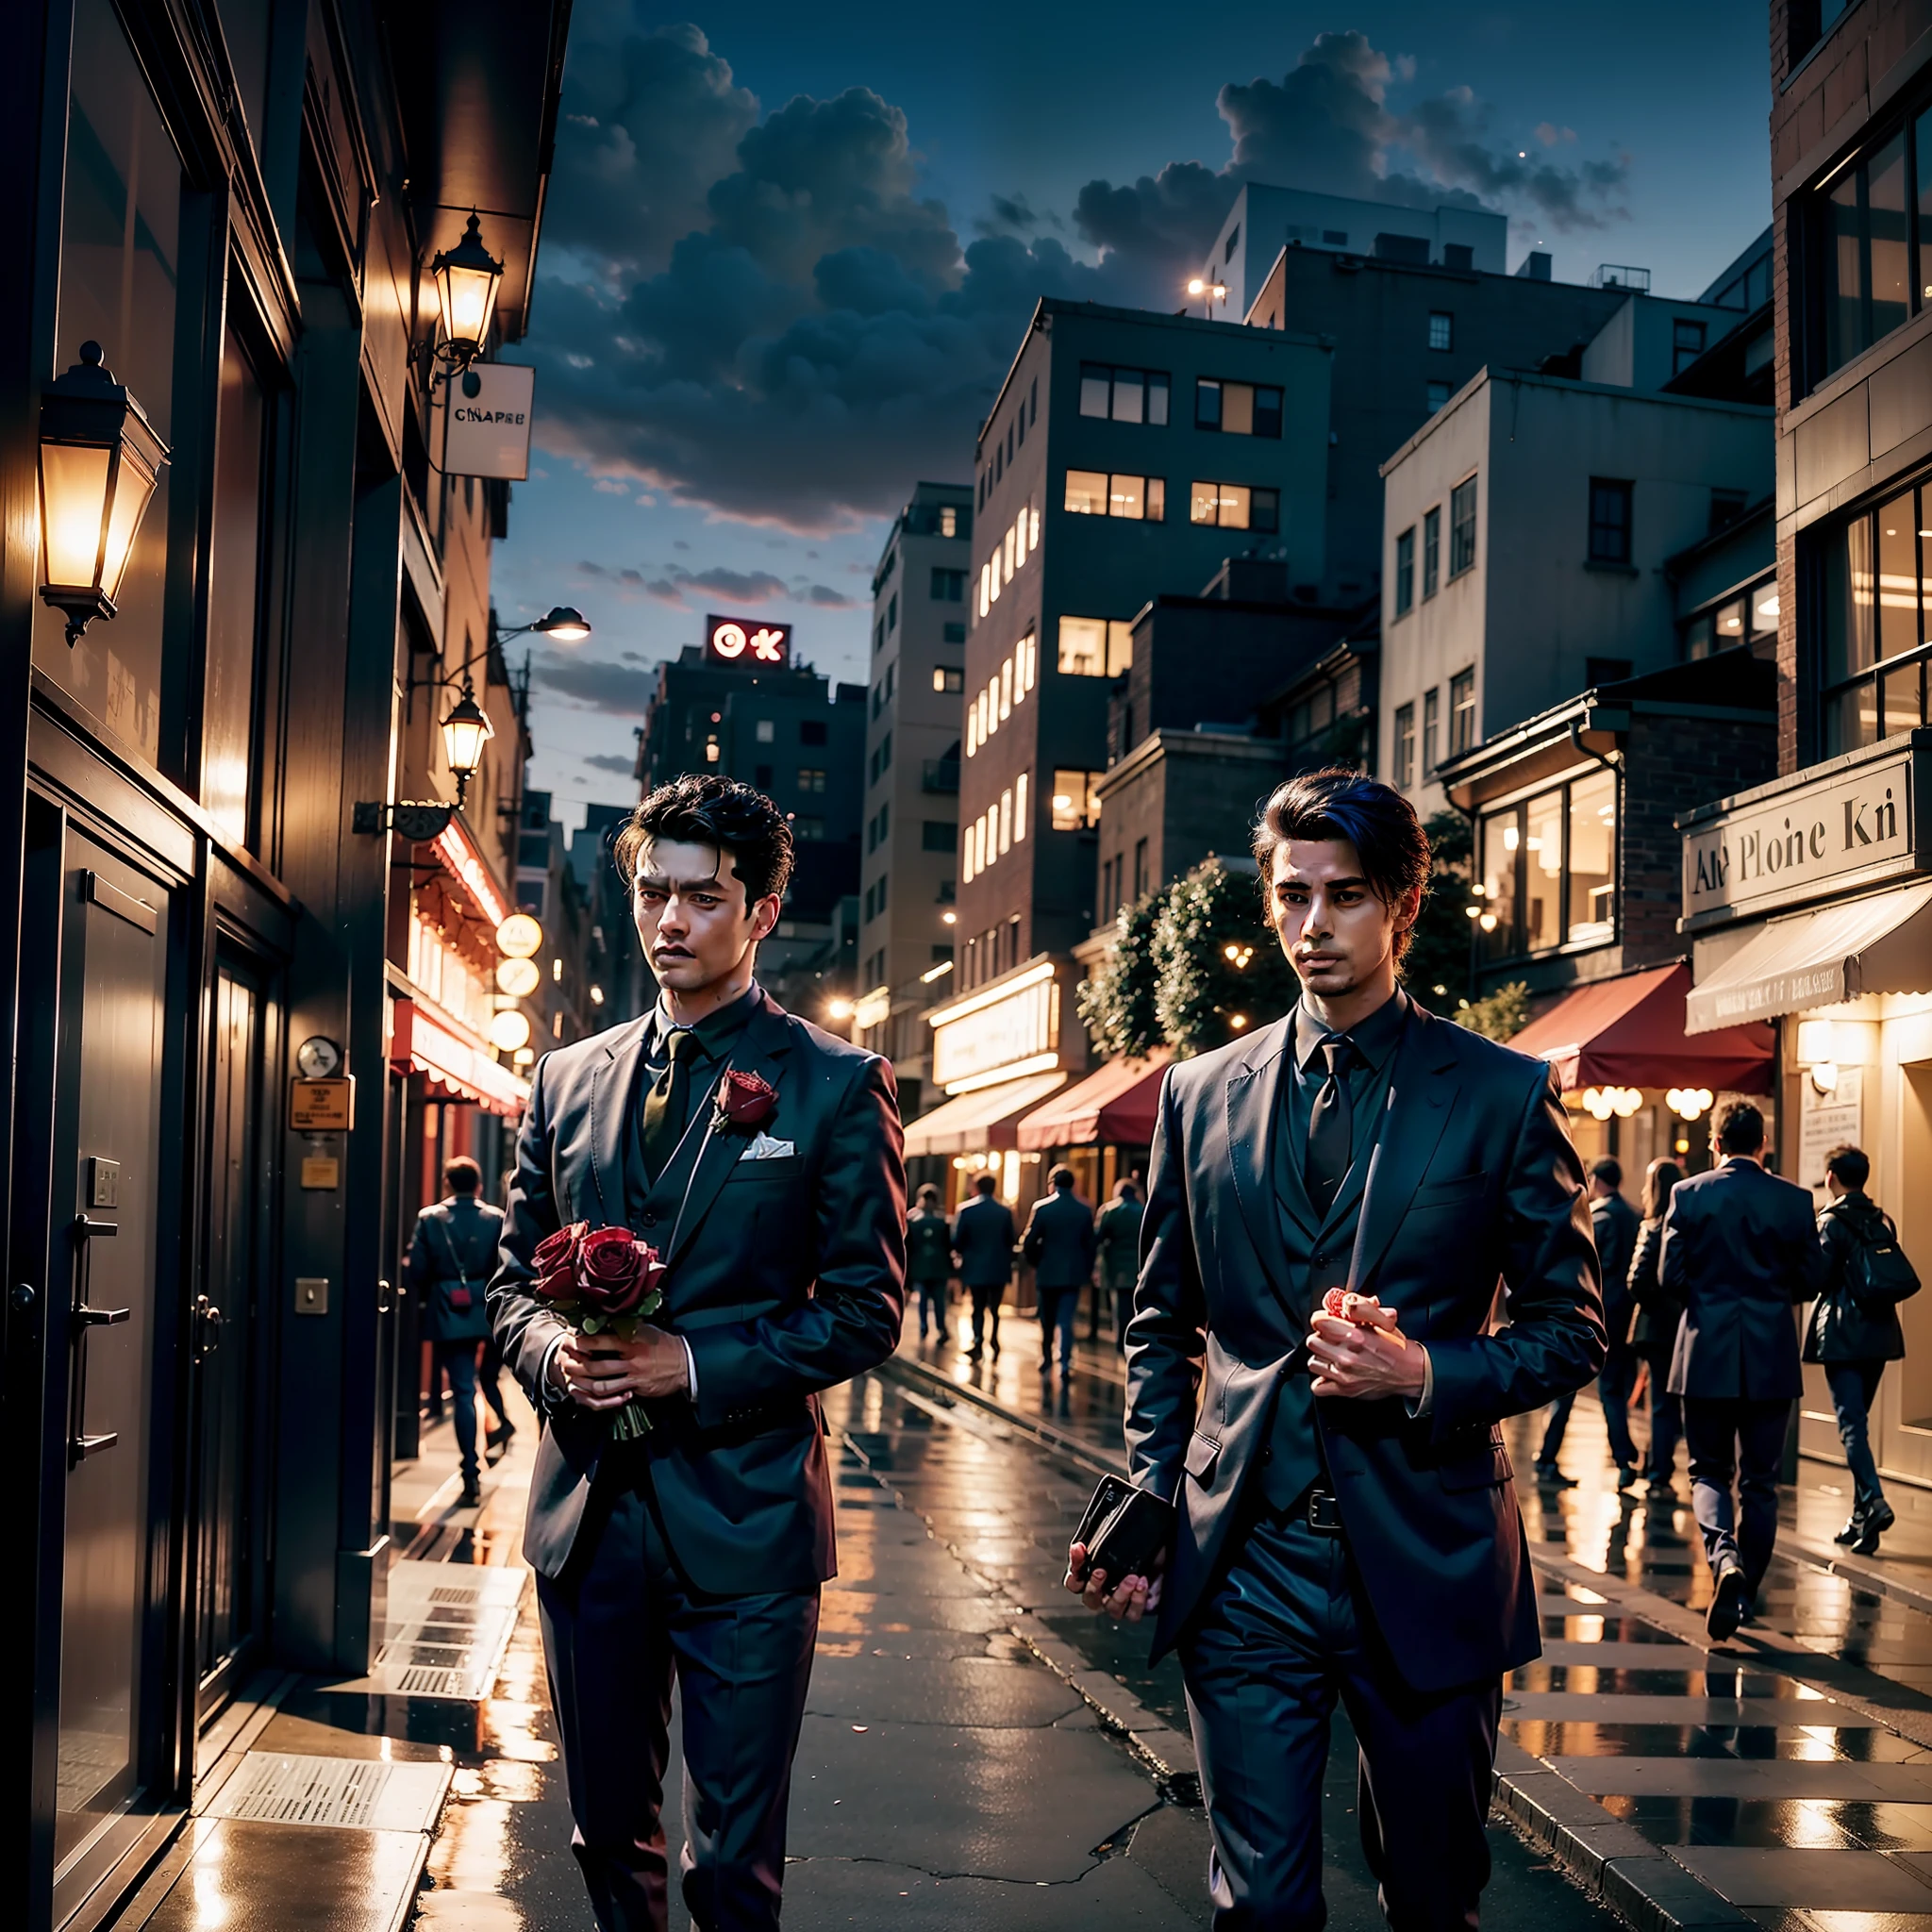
x=909 y=873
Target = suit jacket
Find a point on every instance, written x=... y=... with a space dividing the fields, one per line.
x=983 y=1237
x=1118 y=1232
x=1615 y=1223
x=1740 y=1249
x=785 y=1275
x=1059 y=1240
x=1842 y=1328
x=1473 y=1177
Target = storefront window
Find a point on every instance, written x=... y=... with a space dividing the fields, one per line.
x=120 y=262
x=228 y=712
x=1874 y=590
x=1549 y=870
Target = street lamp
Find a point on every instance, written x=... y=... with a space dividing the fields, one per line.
x=100 y=460
x=467 y=279
x=561 y=622
x=1208 y=293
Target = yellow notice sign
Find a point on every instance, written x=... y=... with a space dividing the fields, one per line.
x=321 y=1170
x=322 y=1107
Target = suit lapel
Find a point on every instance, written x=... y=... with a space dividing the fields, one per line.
x=1420 y=1090
x=761 y=1049
x=1254 y=1115
x=613 y=1083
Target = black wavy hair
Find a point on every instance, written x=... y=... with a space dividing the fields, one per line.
x=701 y=808
x=1339 y=803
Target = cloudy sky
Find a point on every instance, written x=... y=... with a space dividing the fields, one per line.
x=789 y=252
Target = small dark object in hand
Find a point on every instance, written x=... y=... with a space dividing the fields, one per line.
x=1125 y=1529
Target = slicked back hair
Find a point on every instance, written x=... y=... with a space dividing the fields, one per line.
x=1740 y=1127
x=700 y=809
x=1378 y=822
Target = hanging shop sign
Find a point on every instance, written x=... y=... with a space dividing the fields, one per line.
x=1852 y=825
x=488 y=434
x=1000 y=1033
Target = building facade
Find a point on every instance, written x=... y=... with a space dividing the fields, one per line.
x=910 y=876
x=1804 y=899
x=241 y=206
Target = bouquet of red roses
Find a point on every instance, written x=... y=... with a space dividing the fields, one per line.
x=602 y=1281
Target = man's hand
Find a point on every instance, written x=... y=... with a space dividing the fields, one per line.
x=602 y=1372
x=1128 y=1602
x=1365 y=1358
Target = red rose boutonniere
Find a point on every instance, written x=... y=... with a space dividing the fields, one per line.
x=1345 y=1306
x=602 y=1281
x=744 y=1101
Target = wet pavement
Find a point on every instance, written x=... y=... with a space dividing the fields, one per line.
x=1788 y=1771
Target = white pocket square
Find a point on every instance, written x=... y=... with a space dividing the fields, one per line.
x=764 y=1148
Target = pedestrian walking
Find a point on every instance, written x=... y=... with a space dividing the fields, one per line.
x=929 y=1261
x=1654 y=1331
x=1854 y=1329
x=452 y=1257
x=1347 y=1522
x=1740 y=1251
x=983 y=1237
x=1614 y=1223
x=1061 y=1243
x=1118 y=1233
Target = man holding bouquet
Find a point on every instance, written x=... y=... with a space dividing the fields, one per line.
x=705 y=1229
x=1314 y=1381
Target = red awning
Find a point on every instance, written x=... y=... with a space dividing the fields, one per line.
x=1629 y=1032
x=454 y=1058
x=1115 y=1104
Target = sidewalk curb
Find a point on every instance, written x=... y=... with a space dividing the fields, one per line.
x=1610 y=1861
x=1854 y=1571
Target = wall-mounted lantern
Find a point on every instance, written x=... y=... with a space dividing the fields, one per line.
x=465 y=732
x=467 y=279
x=100 y=460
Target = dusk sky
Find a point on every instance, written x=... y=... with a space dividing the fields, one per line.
x=788 y=253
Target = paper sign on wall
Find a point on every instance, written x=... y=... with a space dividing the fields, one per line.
x=488 y=434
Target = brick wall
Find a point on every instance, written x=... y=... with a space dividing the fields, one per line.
x=1671 y=765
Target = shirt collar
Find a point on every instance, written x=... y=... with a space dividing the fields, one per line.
x=1374 y=1038
x=715 y=1031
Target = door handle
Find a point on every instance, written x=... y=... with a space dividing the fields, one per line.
x=101 y=1318
x=208 y=1336
x=81 y=1447
x=85 y=1229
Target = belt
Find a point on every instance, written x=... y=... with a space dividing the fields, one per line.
x=1315 y=1510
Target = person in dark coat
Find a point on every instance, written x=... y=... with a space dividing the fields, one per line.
x=929 y=1261
x=983 y=1237
x=1740 y=1249
x=1852 y=1338
x=1118 y=1232
x=1061 y=1243
x=1614 y=1222
x=452 y=1257
x=1653 y=1333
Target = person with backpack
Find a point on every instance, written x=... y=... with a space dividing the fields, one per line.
x=452 y=1257
x=1854 y=1328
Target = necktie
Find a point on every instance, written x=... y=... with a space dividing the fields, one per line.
x=1331 y=1126
x=668 y=1102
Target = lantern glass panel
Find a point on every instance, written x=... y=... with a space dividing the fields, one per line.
x=120 y=269
x=74 y=482
x=132 y=489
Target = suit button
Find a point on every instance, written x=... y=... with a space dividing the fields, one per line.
x=1318 y=1260
x=1267 y=1454
x=650 y=1217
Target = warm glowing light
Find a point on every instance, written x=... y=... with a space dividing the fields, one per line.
x=949 y=919
x=518 y=977
x=524 y=1055
x=467 y=279
x=519 y=937
x=1692 y=1103
x=508 y=1029
x=564 y=624
x=461 y=856
x=1236 y=1020
x=1602 y=1102
x=596 y=996
x=465 y=732
x=840 y=1010
x=939 y=972
x=1824 y=1076
x=1487 y=920
x=1197 y=287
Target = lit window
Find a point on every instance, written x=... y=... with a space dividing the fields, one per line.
x=1074 y=804
x=1005 y=833
x=949 y=521
x=711 y=751
x=1019 y=807
x=1006 y=690
x=766 y=731
x=1083 y=647
x=1237 y=409
x=1235 y=507
x=946 y=678
x=1086 y=492
x=1120 y=646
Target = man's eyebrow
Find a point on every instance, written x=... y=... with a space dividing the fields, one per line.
x=710 y=882
x=1297 y=879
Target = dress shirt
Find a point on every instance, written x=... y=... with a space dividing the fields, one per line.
x=1374 y=1040
x=716 y=1034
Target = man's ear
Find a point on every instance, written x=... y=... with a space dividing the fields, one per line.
x=764 y=916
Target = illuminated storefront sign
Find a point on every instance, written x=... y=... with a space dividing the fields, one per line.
x=1000 y=1034
x=739 y=641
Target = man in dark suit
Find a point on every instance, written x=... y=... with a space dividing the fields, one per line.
x=1061 y=1243
x=983 y=1237
x=697 y=1551
x=1347 y=1519
x=1740 y=1251
x=1613 y=1223
x=452 y=1257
